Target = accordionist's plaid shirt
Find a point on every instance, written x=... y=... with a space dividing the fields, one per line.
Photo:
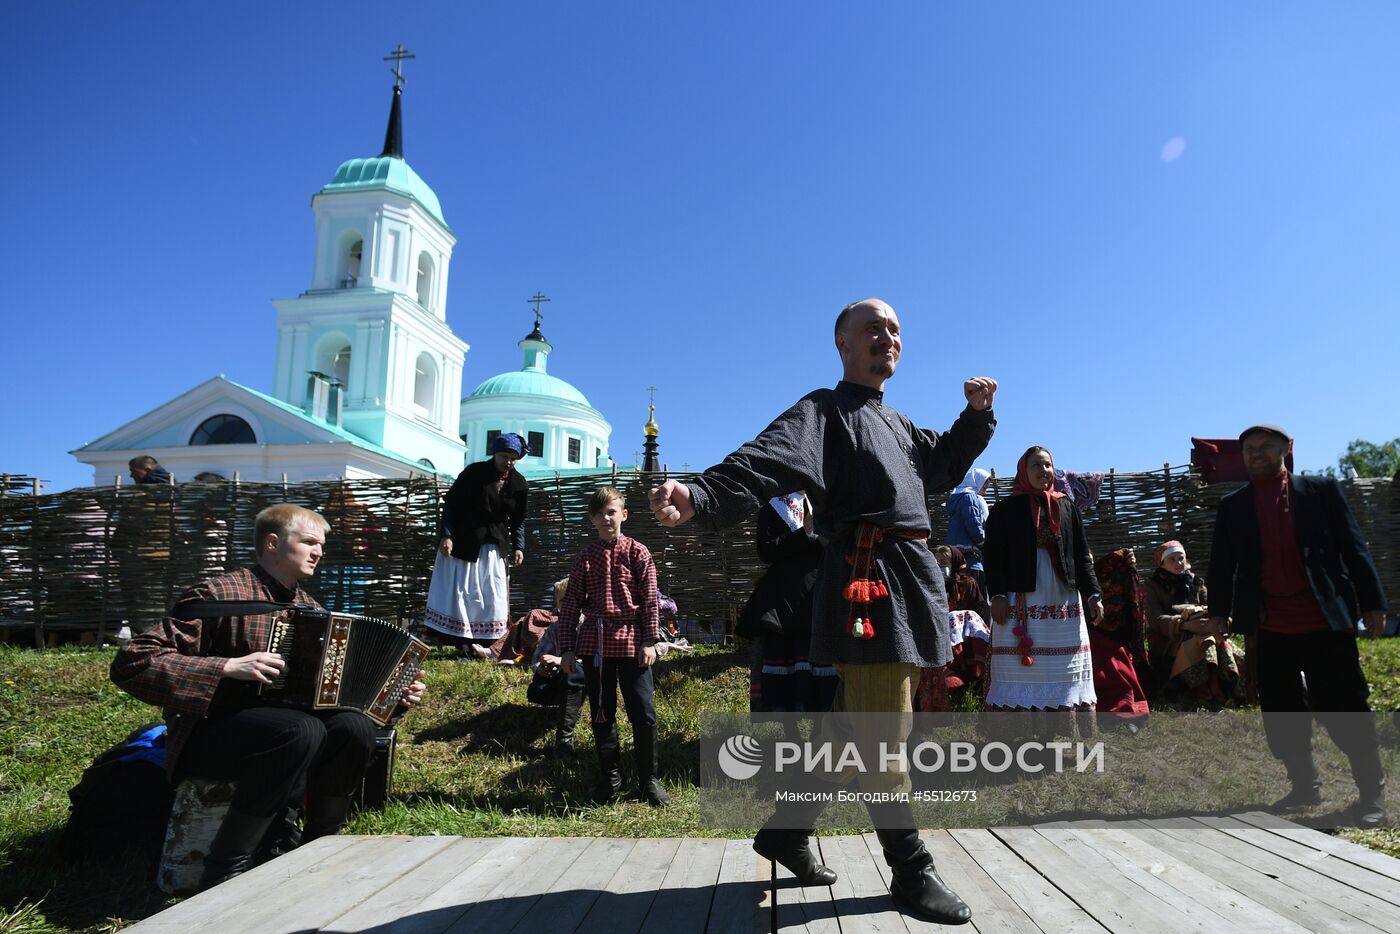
x=178 y=664
x=615 y=583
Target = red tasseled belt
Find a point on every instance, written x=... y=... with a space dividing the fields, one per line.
x=864 y=588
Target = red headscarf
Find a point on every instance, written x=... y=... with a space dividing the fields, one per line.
x=1050 y=497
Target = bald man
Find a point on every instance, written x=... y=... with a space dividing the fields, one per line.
x=869 y=472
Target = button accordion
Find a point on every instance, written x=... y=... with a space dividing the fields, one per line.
x=336 y=661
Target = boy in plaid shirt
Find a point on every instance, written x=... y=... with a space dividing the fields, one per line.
x=613 y=584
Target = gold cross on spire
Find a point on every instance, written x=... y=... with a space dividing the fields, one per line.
x=538 y=299
x=652 y=391
x=397 y=57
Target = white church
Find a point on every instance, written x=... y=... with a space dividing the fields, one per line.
x=368 y=375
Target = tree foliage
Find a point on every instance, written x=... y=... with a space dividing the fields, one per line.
x=1369 y=459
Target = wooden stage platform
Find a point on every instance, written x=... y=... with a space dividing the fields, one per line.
x=1249 y=872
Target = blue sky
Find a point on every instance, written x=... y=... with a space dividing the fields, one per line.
x=701 y=187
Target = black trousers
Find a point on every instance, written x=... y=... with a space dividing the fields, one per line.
x=1318 y=673
x=272 y=752
x=638 y=696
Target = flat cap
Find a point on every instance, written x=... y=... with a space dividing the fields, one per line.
x=1267 y=428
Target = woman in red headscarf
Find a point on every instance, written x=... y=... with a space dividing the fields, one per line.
x=1041 y=577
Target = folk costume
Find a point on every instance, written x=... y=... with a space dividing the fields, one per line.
x=220 y=729
x=778 y=614
x=1037 y=557
x=1288 y=562
x=484 y=515
x=879 y=611
x=1116 y=640
x=1192 y=667
x=609 y=613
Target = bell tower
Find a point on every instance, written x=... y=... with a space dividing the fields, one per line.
x=367 y=347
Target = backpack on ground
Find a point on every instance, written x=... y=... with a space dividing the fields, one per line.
x=123 y=799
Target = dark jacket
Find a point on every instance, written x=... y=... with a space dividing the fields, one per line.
x=781 y=603
x=157 y=475
x=1009 y=551
x=473 y=513
x=1340 y=572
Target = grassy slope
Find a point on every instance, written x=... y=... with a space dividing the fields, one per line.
x=472 y=760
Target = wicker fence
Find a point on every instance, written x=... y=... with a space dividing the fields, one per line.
x=92 y=557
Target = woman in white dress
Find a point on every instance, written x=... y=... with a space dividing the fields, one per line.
x=483 y=527
x=1041 y=577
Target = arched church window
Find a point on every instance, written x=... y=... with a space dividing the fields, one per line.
x=223 y=429
x=340 y=366
x=353 y=254
x=427 y=463
x=425 y=382
x=425 y=280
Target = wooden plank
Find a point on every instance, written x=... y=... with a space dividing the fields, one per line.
x=506 y=902
x=1357 y=877
x=469 y=882
x=328 y=897
x=790 y=914
x=815 y=904
x=860 y=896
x=1342 y=897
x=1099 y=886
x=1303 y=909
x=1175 y=881
x=740 y=905
x=578 y=888
x=1387 y=866
x=683 y=903
x=993 y=911
x=1047 y=906
x=215 y=905
x=627 y=897
x=409 y=901
x=911 y=923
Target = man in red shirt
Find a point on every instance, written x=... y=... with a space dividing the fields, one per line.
x=1289 y=564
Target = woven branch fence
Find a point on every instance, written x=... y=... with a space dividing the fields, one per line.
x=93 y=557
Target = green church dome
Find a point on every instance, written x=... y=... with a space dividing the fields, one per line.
x=530 y=382
x=388 y=172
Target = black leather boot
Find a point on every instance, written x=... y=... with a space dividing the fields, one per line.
x=1306 y=791
x=325 y=815
x=786 y=839
x=231 y=853
x=283 y=836
x=609 y=763
x=644 y=746
x=568 y=719
x=1369 y=775
x=1369 y=809
x=916 y=886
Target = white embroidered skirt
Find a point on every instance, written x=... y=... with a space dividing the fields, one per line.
x=469 y=599
x=1063 y=673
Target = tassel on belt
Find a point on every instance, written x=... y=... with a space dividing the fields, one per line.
x=864 y=588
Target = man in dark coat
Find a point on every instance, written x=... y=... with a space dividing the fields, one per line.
x=1289 y=564
x=146 y=469
x=879 y=611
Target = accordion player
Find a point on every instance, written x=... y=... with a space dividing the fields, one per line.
x=336 y=661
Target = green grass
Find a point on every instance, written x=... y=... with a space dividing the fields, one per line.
x=473 y=759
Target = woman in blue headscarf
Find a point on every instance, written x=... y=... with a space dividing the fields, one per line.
x=483 y=526
x=967 y=521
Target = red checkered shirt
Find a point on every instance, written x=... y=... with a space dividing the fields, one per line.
x=178 y=664
x=613 y=583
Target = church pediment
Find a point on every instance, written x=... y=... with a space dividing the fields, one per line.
x=175 y=422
